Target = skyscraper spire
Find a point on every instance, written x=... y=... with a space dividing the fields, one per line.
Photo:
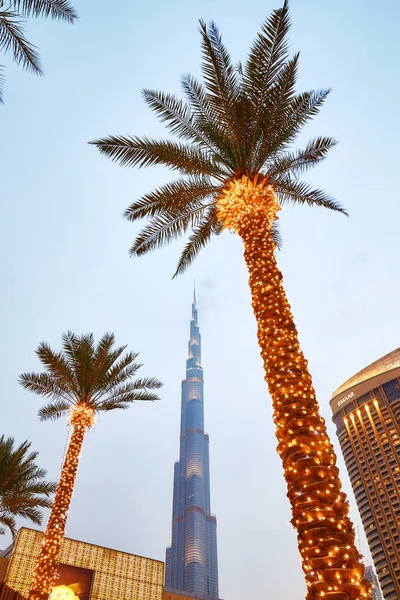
x=191 y=560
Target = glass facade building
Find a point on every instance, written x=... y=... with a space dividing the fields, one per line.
x=191 y=563
x=366 y=411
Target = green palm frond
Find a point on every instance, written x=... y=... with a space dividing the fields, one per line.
x=24 y=490
x=208 y=122
x=7 y=522
x=300 y=192
x=180 y=194
x=131 y=151
x=166 y=227
x=201 y=235
x=175 y=114
x=57 y=367
x=56 y=9
x=88 y=373
x=54 y=410
x=219 y=74
x=278 y=104
x=46 y=385
x=267 y=57
x=268 y=54
x=302 y=160
x=241 y=119
x=12 y=39
x=302 y=109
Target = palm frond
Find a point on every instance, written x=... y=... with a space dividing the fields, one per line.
x=147 y=383
x=175 y=114
x=302 y=160
x=58 y=367
x=23 y=488
x=276 y=107
x=9 y=522
x=299 y=192
x=164 y=228
x=303 y=108
x=133 y=151
x=201 y=235
x=56 y=9
x=209 y=122
x=127 y=395
x=12 y=39
x=174 y=196
x=268 y=55
x=45 y=385
x=219 y=73
x=54 y=410
x=276 y=236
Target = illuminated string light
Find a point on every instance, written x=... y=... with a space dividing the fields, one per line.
x=81 y=418
x=326 y=537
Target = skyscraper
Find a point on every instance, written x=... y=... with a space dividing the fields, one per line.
x=366 y=411
x=191 y=560
x=375 y=590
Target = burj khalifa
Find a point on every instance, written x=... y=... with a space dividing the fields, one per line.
x=191 y=560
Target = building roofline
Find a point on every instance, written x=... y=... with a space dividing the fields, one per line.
x=382 y=365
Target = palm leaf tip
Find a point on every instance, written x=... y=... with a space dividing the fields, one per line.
x=56 y=9
x=12 y=39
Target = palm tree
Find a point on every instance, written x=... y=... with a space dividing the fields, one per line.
x=236 y=170
x=23 y=488
x=80 y=381
x=12 y=36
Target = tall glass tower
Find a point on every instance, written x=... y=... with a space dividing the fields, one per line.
x=191 y=560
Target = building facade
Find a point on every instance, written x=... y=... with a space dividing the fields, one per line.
x=191 y=561
x=375 y=590
x=85 y=571
x=366 y=411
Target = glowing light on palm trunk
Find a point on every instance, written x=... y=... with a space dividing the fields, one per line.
x=330 y=559
x=82 y=418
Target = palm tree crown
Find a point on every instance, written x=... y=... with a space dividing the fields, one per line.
x=12 y=36
x=23 y=488
x=240 y=122
x=83 y=373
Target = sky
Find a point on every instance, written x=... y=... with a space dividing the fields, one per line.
x=65 y=265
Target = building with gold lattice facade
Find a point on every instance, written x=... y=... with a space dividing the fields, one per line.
x=86 y=571
x=366 y=411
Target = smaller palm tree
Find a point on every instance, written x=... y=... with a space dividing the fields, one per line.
x=82 y=380
x=12 y=36
x=24 y=490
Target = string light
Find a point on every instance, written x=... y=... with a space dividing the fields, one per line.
x=81 y=418
x=326 y=537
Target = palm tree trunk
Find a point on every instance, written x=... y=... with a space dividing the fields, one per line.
x=326 y=538
x=46 y=567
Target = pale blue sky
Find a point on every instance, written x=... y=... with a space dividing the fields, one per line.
x=65 y=264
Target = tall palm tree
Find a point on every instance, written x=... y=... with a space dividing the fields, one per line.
x=12 y=36
x=236 y=170
x=82 y=380
x=24 y=490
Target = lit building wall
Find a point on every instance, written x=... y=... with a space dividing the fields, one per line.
x=366 y=411
x=191 y=560
x=116 y=575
